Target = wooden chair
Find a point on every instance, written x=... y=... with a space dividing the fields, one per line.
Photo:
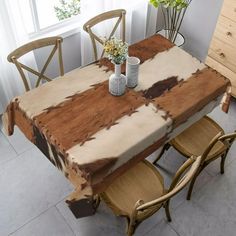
x=19 y=52
x=120 y=13
x=140 y=192
x=205 y=138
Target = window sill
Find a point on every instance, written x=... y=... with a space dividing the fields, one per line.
x=64 y=31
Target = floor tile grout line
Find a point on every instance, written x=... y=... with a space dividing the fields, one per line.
x=213 y=179
x=173 y=228
x=15 y=148
x=31 y=220
x=154 y=226
x=14 y=158
x=65 y=220
x=6 y=137
x=194 y=200
x=5 y=162
x=196 y=203
x=226 y=165
x=53 y=205
x=75 y=232
x=35 y=217
x=28 y=150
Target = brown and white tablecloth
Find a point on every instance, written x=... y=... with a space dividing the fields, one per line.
x=93 y=137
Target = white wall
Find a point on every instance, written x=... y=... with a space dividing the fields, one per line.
x=199 y=25
x=198 y=28
x=71 y=56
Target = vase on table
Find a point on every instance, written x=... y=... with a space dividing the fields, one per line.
x=117 y=82
x=173 y=13
x=179 y=39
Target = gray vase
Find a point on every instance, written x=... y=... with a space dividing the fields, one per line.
x=117 y=82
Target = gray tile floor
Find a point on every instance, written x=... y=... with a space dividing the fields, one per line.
x=32 y=194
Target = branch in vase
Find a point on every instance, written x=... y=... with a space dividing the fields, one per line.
x=173 y=12
x=177 y=24
x=164 y=15
x=181 y=21
x=173 y=23
x=168 y=24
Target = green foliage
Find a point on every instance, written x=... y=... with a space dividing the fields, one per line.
x=116 y=50
x=178 y=4
x=67 y=9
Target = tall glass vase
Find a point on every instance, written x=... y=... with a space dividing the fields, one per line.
x=117 y=82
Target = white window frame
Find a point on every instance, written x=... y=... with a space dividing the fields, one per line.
x=64 y=24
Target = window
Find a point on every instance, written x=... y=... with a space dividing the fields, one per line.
x=44 y=15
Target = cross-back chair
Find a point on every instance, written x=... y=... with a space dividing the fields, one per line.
x=140 y=192
x=21 y=51
x=205 y=138
x=120 y=13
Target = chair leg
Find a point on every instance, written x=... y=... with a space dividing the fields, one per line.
x=222 y=163
x=167 y=210
x=130 y=228
x=190 y=190
x=96 y=201
x=165 y=148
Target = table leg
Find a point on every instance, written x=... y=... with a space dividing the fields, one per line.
x=83 y=203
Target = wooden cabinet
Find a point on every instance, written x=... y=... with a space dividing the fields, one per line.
x=222 y=51
x=229 y=9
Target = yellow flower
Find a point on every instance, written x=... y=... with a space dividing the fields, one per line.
x=116 y=50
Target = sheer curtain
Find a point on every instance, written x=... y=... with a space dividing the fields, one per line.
x=136 y=22
x=12 y=35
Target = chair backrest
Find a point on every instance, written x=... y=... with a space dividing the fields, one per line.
x=227 y=139
x=120 y=13
x=182 y=177
x=19 y=52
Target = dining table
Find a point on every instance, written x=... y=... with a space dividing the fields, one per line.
x=94 y=137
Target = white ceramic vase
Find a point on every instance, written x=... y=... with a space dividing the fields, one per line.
x=117 y=82
x=132 y=71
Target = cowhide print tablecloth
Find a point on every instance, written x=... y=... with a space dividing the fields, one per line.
x=93 y=137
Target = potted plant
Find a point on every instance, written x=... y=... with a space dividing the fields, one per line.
x=67 y=9
x=117 y=51
x=173 y=14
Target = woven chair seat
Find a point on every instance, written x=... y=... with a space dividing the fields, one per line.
x=195 y=139
x=142 y=182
